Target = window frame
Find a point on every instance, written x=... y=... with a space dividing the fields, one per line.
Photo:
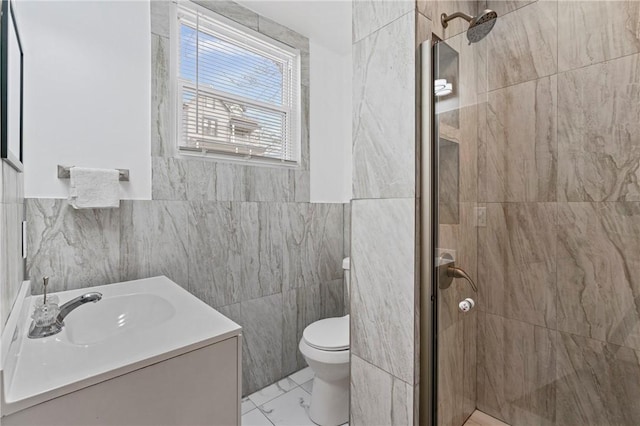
x=294 y=112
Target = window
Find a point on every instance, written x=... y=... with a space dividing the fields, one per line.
x=238 y=91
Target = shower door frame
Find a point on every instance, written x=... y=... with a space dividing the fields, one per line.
x=428 y=210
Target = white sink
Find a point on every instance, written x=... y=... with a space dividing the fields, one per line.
x=136 y=324
x=104 y=320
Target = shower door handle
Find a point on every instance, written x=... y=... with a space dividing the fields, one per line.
x=447 y=271
x=454 y=272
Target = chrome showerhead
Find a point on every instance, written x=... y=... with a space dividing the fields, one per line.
x=479 y=26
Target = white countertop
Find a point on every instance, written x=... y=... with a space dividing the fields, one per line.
x=37 y=370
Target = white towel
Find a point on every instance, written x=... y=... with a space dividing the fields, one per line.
x=94 y=188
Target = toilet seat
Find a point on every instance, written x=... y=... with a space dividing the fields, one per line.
x=331 y=334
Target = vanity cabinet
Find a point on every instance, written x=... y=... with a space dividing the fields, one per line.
x=201 y=387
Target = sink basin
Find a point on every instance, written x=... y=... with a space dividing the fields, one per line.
x=136 y=324
x=99 y=322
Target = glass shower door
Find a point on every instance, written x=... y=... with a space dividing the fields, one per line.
x=452 y=191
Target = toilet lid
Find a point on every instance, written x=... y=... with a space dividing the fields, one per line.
x=331 y=334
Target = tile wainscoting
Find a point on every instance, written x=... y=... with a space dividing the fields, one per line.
x=272 y=267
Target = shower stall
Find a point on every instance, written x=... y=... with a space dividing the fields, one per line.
x=529 y=223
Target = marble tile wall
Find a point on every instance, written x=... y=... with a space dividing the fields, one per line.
x=558 y=327
x=244 y=239
x=381 y=60
x=384 y=348
x=11 y=216
x=231 y=255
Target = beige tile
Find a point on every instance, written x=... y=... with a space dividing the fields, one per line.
x=597 y=383
x=450 y=374
x=598 y=256
x=516 y=371
x=517 y=262
x=594 y=31
x=436 y=8
x=463 y=239
x=502 y=7
x=598 y=132
x=523 y=45
x=478 y=418
x=517 y=153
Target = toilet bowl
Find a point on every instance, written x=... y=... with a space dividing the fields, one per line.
x=325 y=347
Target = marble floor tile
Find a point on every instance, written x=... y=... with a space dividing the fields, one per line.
x=383 y=112
x=526 y=37
x=273 y=391
x=516 y=371
x=246 y=405
x=597 y=383
x=598 y=131
x=302 y=376
x=595 y=31
x=517 y=262
x=383 y=284
x=255 y=418
x=598 y=252
x=518 y=148
x=308 y=386
x=290 y=409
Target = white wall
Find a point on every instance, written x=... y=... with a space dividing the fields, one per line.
x=87 y=99
x=330 y=125
x=87 y=92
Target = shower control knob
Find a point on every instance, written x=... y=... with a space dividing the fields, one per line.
x=466 y=305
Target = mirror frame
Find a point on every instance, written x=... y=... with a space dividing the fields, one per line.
x=8 y=18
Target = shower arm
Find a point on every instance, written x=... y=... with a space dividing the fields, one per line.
x=444 y=18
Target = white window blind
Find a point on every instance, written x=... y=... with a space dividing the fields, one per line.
x=238 y=91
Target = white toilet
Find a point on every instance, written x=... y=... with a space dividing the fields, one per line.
x=325 y=347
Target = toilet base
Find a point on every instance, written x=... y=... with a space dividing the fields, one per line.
x=330 y=402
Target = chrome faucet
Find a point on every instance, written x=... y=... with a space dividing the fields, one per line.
x=38 y=331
